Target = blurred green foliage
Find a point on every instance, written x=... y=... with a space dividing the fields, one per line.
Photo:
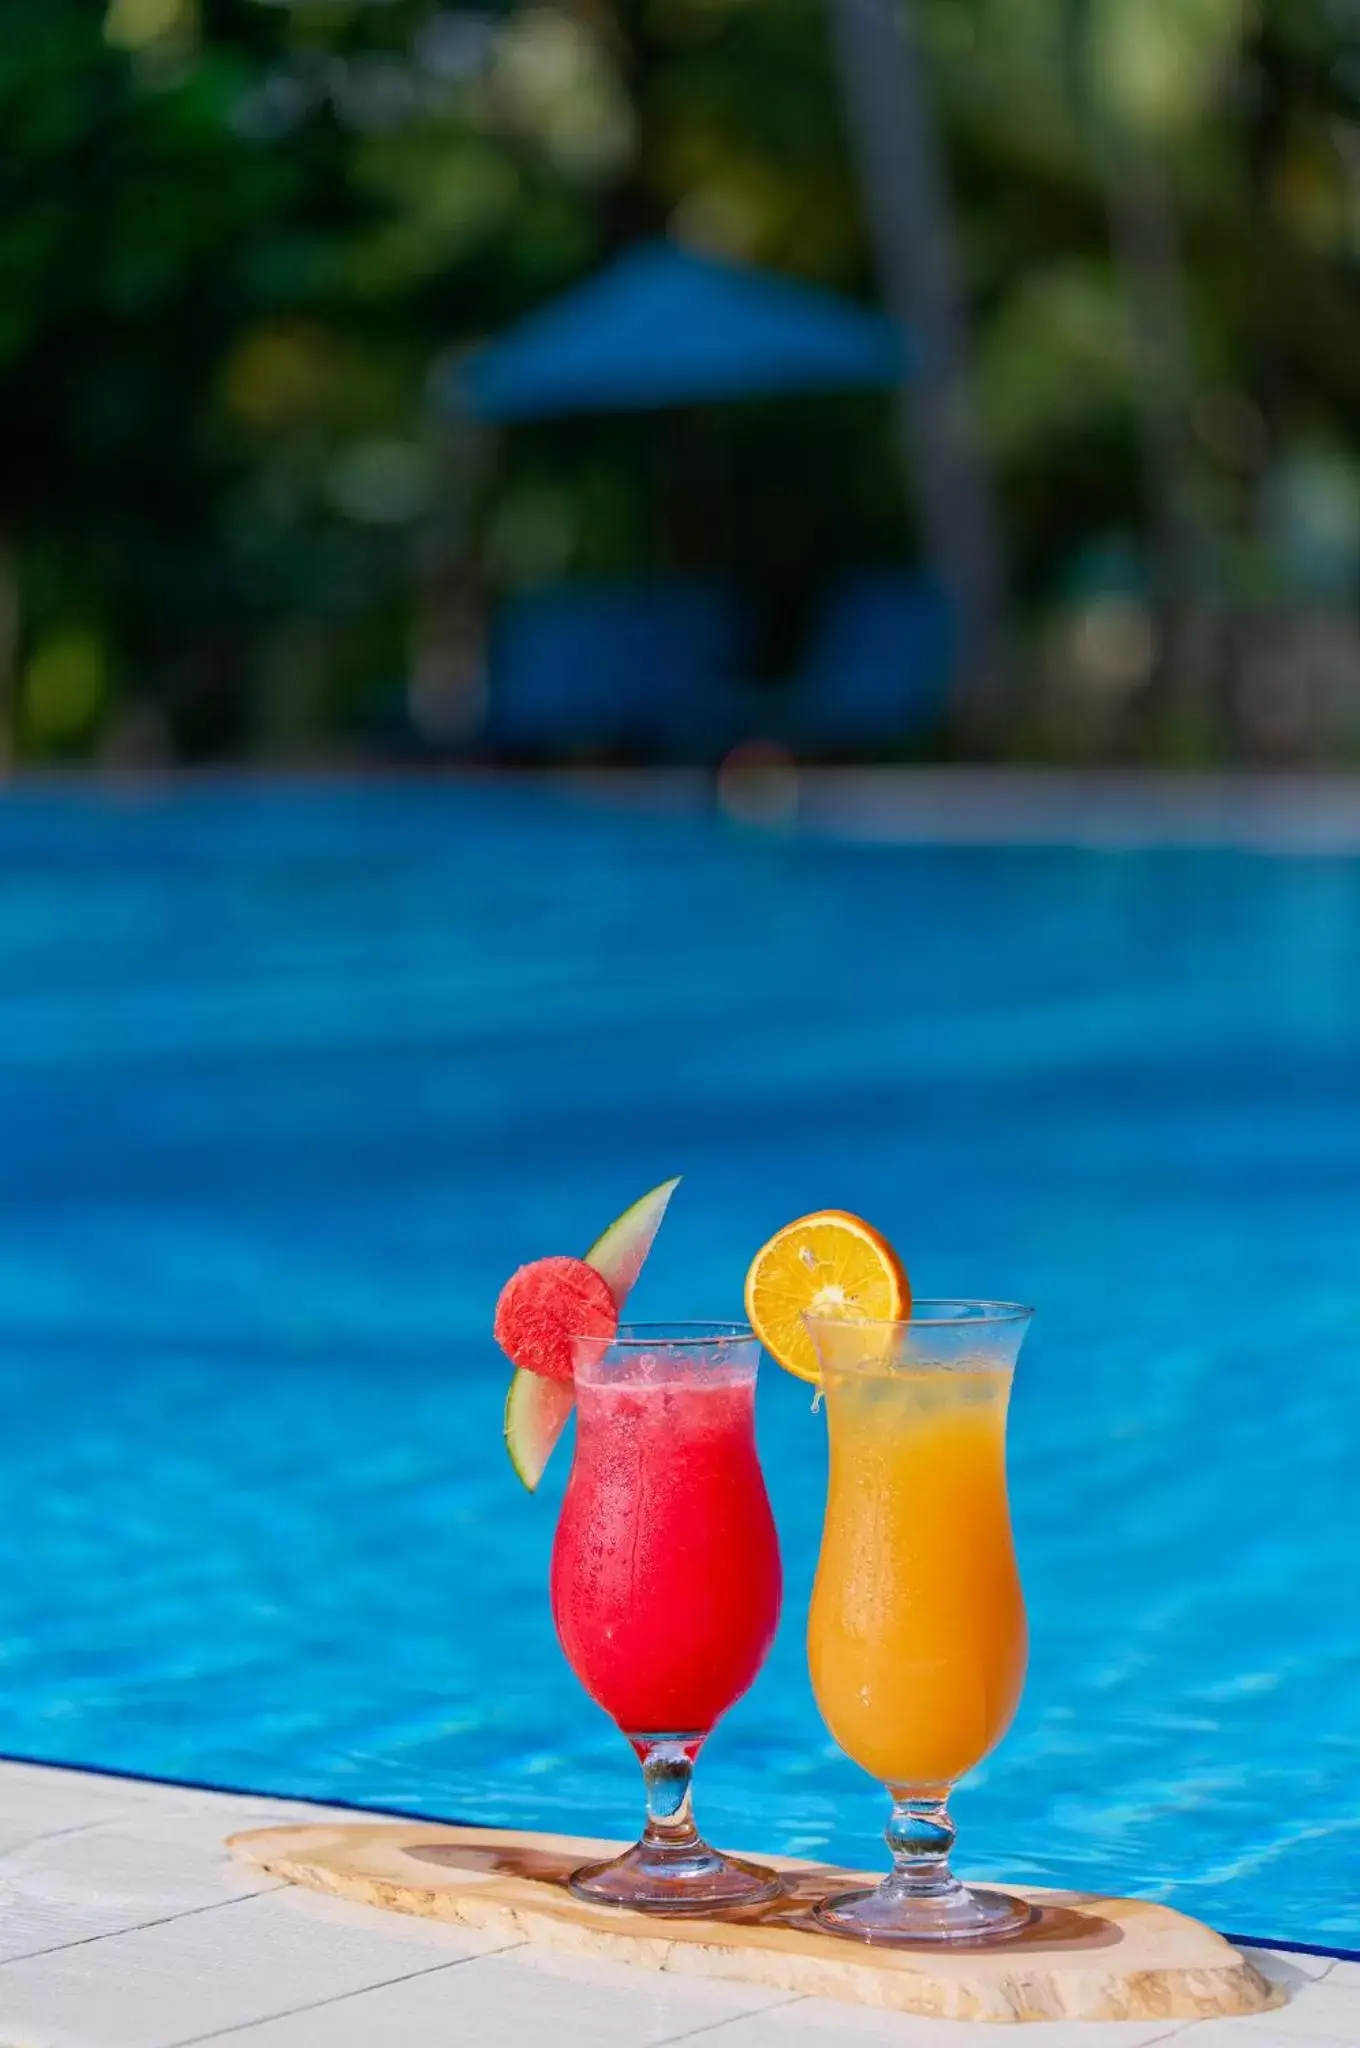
x=235 y=236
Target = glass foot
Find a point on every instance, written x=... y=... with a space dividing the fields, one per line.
x=891 y=1916
x=694 y=1880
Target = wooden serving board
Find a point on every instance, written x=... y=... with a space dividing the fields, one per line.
x=1085 y=1957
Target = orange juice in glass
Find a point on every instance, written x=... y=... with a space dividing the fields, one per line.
x=917 y=1640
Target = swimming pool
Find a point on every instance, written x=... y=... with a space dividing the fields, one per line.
x=291 y=1077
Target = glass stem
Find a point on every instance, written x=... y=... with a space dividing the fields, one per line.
x=668 y=1779
x=920 y=1835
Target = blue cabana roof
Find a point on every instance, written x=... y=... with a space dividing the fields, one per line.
x=662 y=326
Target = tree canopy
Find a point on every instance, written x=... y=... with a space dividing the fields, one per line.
x=235 y=237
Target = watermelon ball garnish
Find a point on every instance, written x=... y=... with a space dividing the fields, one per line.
x=544 y=1306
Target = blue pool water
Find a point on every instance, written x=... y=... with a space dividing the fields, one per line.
x=290 y=1078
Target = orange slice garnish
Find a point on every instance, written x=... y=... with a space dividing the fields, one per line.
x=831 y=1264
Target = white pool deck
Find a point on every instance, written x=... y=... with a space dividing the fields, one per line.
x=123 y=1924
x=1098 y=809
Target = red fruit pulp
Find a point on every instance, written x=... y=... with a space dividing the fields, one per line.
x=544 y=1306
x=665 y=1572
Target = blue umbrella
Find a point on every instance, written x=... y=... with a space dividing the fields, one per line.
x=661 y=327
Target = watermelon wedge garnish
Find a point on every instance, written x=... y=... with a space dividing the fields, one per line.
x=549 y=1301
x=536 y=1412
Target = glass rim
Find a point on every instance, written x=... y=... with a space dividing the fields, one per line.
x=977 y=1315
x=679 y=1336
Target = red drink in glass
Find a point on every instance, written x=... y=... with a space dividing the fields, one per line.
x=666 y=1581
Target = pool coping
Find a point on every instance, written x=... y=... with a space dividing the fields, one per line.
x=253 y=1794
x=128 y=1925
x=1287 y=810
x=1096 y=808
